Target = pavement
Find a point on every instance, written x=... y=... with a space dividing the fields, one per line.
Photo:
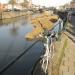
x=60 y=47
x=63 y=62
x=67 y=66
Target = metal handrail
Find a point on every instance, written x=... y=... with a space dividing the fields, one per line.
x=48 y=52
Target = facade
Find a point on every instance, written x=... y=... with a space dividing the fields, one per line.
x=24 y=4
x=2 y=7
x=72 y=4
x=69 y=6
x=61 y=8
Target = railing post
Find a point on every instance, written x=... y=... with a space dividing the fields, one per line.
x=59 y=26
x=59 y=31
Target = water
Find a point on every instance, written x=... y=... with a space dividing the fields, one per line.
x=13 y=43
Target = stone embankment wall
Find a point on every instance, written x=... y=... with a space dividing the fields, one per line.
x=11 y=14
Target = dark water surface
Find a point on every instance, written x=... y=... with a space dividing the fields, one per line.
x=13 y=43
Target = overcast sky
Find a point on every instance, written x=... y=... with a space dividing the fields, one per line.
x=50 y=2
x=44 y=2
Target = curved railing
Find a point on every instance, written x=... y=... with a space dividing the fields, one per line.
x=49 y=47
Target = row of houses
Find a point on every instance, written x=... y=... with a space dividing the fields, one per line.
x=20 y=6
x=70 y=5
x=4 y=7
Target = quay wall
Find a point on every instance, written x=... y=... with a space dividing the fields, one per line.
x=11 y=14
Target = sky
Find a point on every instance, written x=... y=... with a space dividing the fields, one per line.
x=47 y=3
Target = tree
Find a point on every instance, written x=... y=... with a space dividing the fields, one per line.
x=25 y=3
x=13 y=2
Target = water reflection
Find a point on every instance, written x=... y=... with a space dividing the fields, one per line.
x=22 y=20
x=13 y=43
x=14 y=29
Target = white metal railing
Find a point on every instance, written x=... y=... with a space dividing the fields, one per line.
x=47 y=57
x=49 y=50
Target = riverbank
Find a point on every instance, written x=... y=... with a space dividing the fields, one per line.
x=12 y=14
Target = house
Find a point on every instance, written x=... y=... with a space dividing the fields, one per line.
x=2 y=7
x=72 y=4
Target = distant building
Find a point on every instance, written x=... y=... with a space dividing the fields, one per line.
x=2 y=7
x=61 y=8
x=67 y=6
x=25 y=4
x=18 y=6
x=72 y=4
x=9 y=6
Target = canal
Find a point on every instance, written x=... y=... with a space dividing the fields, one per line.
x=13 y=44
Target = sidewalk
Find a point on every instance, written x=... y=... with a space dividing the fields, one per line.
x=60 y=47
x=64 y=58
x=67 y=66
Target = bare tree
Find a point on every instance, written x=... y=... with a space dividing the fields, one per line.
x=13 y=2
x=25 y=3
